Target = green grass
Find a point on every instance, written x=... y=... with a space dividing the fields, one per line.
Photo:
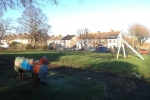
x=65 y=87
x=98 y=62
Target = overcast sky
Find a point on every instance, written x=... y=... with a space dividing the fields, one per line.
x=96 y=15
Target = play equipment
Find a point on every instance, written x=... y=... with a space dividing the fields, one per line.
x=34 y=66
x=23 y=63
x=122 y=42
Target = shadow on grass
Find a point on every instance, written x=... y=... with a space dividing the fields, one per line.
x=117 y=87
x=73 y=83
x=70 y=84
x=59 y=87
x=51 y=55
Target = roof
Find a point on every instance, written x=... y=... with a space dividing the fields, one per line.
x=17 y=36
x=23 y=36
x=101 y=35
x=89 y=36
x=58 y=37
x=105 y=35
x=50 y=37
x=112 y=37
x=68 y=37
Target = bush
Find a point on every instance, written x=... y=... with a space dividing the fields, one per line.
x=44 y=47
x=3 y=48
x=14 y=45
x=28 y=46
x=37 y=46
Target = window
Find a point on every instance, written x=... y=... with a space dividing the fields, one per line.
x=109 y=41
x=114 y=41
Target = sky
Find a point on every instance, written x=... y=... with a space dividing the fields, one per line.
x=96 y=15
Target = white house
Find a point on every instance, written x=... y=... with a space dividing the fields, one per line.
x=4 y=44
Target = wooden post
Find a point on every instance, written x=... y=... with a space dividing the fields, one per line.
x=121 y=45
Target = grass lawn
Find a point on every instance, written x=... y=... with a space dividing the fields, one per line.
x=97 y=62
x=67 y=87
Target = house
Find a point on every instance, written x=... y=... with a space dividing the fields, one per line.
x=85 y=40
x=113 y=40
x=24 y=39
x=69 y=41
x=54 y=41
x=4 y=44
x=9 y=38
x=50 y=39
x=101 y=39
x=20 y=38
x=91 y=39
x=108 y=39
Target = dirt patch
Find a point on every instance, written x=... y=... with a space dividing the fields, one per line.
x=117 y=88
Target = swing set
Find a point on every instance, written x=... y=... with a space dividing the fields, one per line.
x=121 y=44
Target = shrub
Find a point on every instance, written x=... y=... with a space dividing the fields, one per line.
x=37 y=46
x=14 y=45
x=1 y=48
x=44 y=47
x=28 y=46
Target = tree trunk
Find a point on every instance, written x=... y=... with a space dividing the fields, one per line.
x=133 y=43
x=33 y=43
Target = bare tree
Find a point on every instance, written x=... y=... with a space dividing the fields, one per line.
x=16 y=4
x=83 y=37
x=34 y=22
x=138 y=33
x=5 y=27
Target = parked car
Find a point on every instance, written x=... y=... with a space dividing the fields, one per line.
x=90 y=49
x=102 y=49
x=143 y=51
x=71 y=49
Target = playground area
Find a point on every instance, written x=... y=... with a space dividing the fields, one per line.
x=63 y=82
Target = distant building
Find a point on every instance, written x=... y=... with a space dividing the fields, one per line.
x=69 y=41
x=108 y=39
x=4 y=44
